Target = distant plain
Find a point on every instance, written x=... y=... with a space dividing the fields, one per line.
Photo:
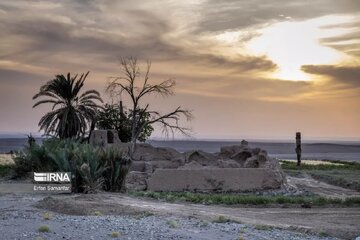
x=345 y=151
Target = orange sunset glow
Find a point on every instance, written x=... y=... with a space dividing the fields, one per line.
x=252 y=69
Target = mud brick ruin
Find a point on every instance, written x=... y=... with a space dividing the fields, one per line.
x=235 y=168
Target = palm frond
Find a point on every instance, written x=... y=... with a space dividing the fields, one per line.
x=71 y=115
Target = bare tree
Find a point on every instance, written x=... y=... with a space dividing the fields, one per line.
x=131 y=84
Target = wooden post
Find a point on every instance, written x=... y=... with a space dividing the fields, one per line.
x=298 y=148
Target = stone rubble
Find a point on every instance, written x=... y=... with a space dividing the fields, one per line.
x=265 y=171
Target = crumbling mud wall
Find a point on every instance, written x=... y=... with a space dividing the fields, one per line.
x=234 y=169
x=214 y=180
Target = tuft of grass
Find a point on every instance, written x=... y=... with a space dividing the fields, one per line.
x=44 y=228
x=262 y=227
x=173 y=224
x=143 y=215
x=236 y=199
x=47 y=216
x=115 y=234
x=221 y=219
x=39 y=238
x=241 y=238
x=98 y=213
x=323 y=234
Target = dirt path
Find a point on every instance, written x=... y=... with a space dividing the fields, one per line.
x=339 y=222
x=20 y=220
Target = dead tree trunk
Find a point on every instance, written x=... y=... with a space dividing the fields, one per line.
x=298 y=148
x=122 y=114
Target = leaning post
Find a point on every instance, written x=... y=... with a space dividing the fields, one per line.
x=298 y=148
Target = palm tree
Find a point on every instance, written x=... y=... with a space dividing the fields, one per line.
x=71 y=114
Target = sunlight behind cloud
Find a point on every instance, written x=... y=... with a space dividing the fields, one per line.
x=293 y=44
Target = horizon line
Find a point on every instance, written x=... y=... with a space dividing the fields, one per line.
x=20 y=135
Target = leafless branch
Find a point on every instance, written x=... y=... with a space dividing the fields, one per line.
x=131 y=84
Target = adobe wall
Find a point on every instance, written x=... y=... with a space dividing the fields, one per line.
x=214 y=179
x=104 y=138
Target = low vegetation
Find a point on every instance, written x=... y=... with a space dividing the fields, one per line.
x=243 y=230
x=5 y=170
x=235 y=199
x=338 y=173
x=262 y=227
x=322 y=233
x=291 y=165
x=143 y=215
x=113 y=116
x=345 y=178
x=98 y=213
x=221 y=219
x=92 y=168
x=115 y=234
x=173 y=224
x=47 y=216
x=44 y=228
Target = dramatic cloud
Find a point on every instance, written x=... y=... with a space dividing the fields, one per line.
x=234 y=14
x=341 y=74
x=348 y=39
x=236 y=57
x=121 y=31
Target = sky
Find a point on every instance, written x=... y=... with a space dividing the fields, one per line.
x=248 y=69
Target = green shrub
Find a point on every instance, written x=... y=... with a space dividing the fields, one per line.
x=5 y=170
x=98 y=213
x=322 y=233
x=44 y=228
x=173 y=224
x=222 y=219
x=117 y=166
x=52 y=155
x=243 y=230
x=261 y=227
x=112 y=116
x=115 y=234
x=92 y=168
x=47 y=216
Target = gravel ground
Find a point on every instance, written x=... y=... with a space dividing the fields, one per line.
x=20 y=220
x=23 y=225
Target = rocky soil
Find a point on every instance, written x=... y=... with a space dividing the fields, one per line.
x=19 y=219
x=97 y=216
